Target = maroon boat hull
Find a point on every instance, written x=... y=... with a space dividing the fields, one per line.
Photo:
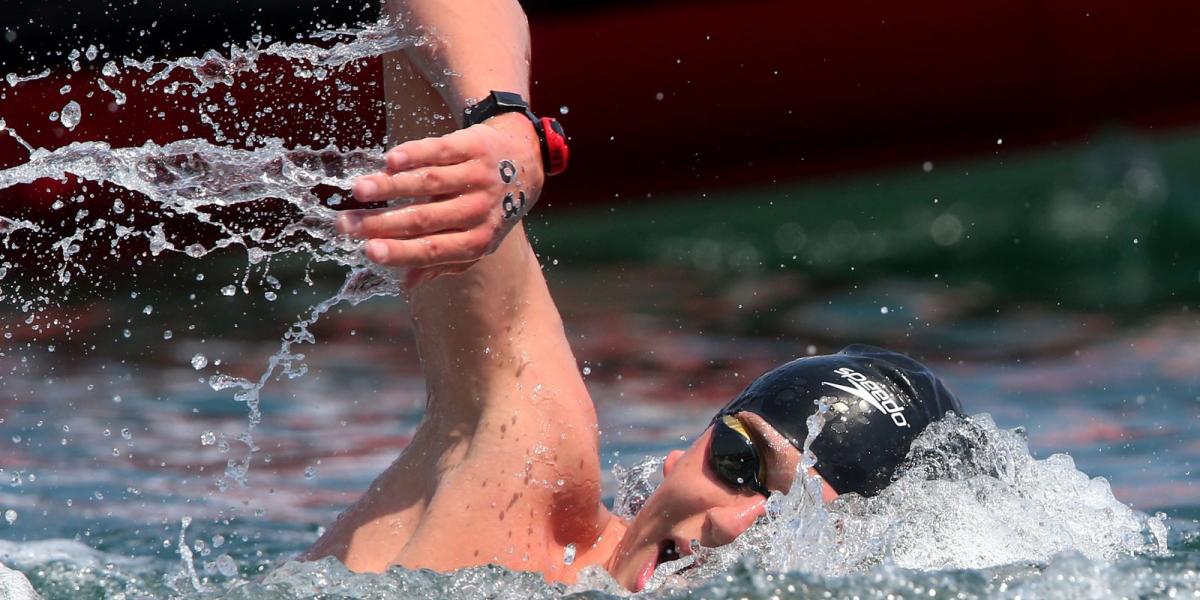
x=671 y=96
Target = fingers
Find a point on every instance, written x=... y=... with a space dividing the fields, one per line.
x=459 y=213
x=454 y=247
x=426 y=181
x=449 y=149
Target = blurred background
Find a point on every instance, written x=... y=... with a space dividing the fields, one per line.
x=1007 y=190
x=997 y=141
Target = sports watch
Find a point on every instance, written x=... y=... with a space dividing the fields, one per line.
x=551 y=137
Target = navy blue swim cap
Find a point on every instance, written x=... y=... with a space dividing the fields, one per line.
x=879 y=401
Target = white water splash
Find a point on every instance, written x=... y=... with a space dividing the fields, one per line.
x=190 y=178
x=186 y=558
x=14 y=80
x=970 y=496
x=14 y=586
x=634 y=486
x=71 y=114
x=214 y=68
x=191 y=181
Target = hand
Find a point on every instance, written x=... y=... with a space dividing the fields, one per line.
x=459 y=195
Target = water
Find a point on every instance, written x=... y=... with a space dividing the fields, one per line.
x=187 y=179
x=138 y=464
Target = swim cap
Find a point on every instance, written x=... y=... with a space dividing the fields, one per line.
x=879 y=401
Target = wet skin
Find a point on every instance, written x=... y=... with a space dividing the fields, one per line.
x=693 y=503
x=505 y=466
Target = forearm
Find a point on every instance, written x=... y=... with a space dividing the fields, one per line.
x=483 y=331
x=473 y=328
x=473 y=46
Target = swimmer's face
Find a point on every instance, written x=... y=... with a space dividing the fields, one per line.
x=695 y=503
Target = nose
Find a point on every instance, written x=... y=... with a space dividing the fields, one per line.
x=722 y=524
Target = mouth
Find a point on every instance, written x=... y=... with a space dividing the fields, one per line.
x=667 y=552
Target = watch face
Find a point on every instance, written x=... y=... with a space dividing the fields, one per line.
x=509 y=100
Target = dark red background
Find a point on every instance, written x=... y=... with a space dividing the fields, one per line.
x=762 y=90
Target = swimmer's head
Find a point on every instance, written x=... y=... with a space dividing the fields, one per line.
x=878 y=402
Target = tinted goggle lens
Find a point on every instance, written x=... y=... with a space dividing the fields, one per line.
x=733 y=456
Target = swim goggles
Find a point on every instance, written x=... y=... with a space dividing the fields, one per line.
x=734 y=458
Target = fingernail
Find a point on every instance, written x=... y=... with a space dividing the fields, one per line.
x=377 y=251
x=396 y=160
x=365 y=188
x=349 y=224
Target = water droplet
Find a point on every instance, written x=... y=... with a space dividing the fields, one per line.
x=208 y=438
x=10 y=515
x=270 y=296
x=228 y=290
x=226 y=566
x=310 y=473
x=587 y=370
x=194 y=250
x=569 y=554
x=148 y=309
x=168 y=334
x=126 y=434
x=562 y=110
x=199 y=361
x=883 y=310
x=71 y=114
x=126 y=333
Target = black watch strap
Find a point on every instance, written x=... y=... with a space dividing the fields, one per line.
x=496 y=103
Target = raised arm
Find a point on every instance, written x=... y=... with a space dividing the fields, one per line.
x=504 y=467
x=473 y=46
x=470 y=48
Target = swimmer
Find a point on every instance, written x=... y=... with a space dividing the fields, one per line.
x=505 y=465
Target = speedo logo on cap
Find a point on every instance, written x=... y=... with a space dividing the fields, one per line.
x=872 y=393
